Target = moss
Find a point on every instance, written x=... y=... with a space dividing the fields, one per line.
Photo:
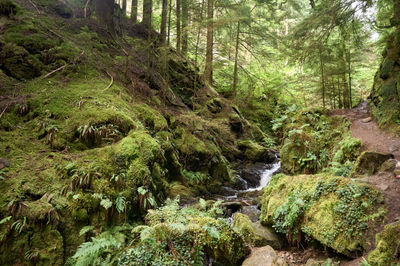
x=8 y=8
x=18 y=63
x=244 y=226
x=151 y=118
x=255 y=152
x=368 y=163
x=332 y=210
x=387 y=247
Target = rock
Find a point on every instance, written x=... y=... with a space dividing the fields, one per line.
x=240 y=183
x=265 y=236
x=265 y=256
x=319 y=218
x=254 y=152
x=4 y=163
x=236 y=124
x=367 y=120
x=252 y=211
x=234 y=206
x=254 y=233
x=383 y=187
x=252 y=175
x=388 y=166
x=368 y=163
x=387 y=247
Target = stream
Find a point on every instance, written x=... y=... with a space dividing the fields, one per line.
x=242 y=197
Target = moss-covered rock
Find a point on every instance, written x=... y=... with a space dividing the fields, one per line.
x=387 y=249
x=254 y=152
x=335 y=211
x=19 y=63
x=369 y=163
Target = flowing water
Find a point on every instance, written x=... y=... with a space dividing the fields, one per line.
x=250 y=182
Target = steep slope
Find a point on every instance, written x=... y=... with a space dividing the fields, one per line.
x=95 y=130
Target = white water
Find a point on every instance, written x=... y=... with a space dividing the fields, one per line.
x=266 y=177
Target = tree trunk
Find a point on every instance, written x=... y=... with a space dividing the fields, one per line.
x=198 y=34
x=208 y=70
x=147 y=14
x=235 y=70
x=185 y=18
x=164 y=13
x=346 y=101
x=124 y=7
x=322 y=77
x=105 y=12
x=134 y=12
x=349 y=64
x=178 y=25
x=169 y=22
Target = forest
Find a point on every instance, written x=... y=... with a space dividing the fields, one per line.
x=200 y=132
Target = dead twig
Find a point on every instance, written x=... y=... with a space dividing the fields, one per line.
x=2 y=113
x=62 y=67
x=35 y=6
x=111 y=82
x=55 y=33
x=54 y=71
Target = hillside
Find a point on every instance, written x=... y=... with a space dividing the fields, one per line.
x=118 y=147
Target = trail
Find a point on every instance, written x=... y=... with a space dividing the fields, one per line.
x=375 y=139
x=372 y=137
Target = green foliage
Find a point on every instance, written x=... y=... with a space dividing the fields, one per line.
x=176 y=236
x=195 y=178
x=95 y=252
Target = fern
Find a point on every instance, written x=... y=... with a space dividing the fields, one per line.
x=86 y=229
x=90 y=253
x=120 y=204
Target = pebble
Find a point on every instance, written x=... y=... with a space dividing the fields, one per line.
x=367 y=120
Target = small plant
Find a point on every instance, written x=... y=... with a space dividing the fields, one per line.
x=19 y=225
x=32 y=255
x=95 y=133
x=51 y=134
x=146 y=199
x=195 y=178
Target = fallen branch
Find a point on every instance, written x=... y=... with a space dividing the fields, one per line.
x=55 y=33
x=37 y=9
x=111 y=82
x=2 y=113
x=54 y=71
x=61 y=67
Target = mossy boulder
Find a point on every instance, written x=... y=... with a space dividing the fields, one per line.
x=254 y=152
x=18 y=63
x=335 y=211
x=386 y=68
x=387 y=251
x=369 y=163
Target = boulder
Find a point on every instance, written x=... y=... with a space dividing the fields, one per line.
x=369 y=163
x=388 y=166
x=255 y=233
x=252 y=175
x=254 y=152
x=265 y=256
x=265 y=235
x=387 y=249
x=336 y=211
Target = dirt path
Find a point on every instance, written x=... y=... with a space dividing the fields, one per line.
x=373 y=138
